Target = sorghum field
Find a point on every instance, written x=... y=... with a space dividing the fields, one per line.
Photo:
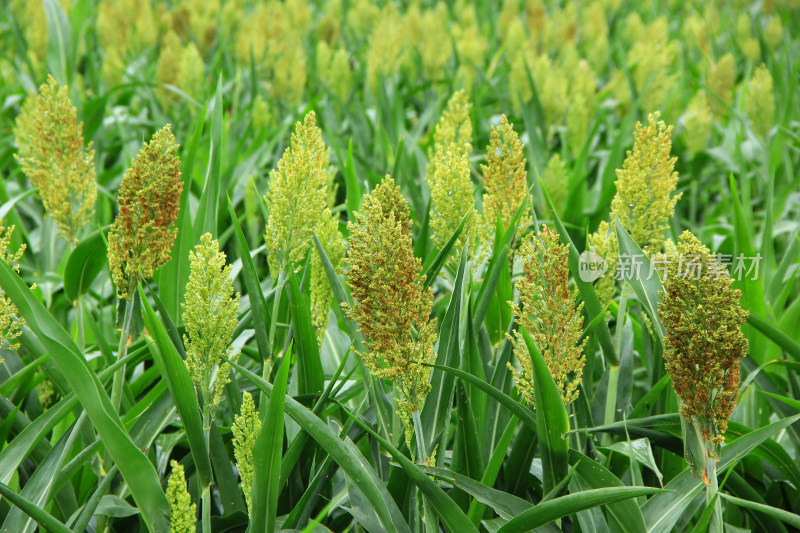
x=403 y=266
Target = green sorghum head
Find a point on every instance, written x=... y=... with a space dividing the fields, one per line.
x=141 y=237
x=182 y=512
x=549 y=313
x=391 y=305
x=209 y=315
x=53 y=157
x=704 y=343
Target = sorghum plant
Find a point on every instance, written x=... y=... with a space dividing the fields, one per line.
x=704 y=342
x=52 y=156
x=644 y=201
x=391 y=304
x=760 y=101
x=548 y=313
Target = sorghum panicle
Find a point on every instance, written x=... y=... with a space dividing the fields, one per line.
x=760 y=101
x=644 y=202
x=209 y=315
x=53 y=157
x=321 y=290
x=141 y=238
x=246 y=426
x=297 y=196
x=505 y=179
x=390 y=302
x=10 y=323
x=548 y=313
x=452 y=197
x=182 y=512
x=704 y=342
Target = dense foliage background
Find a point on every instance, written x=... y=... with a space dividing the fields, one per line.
x=233 y=79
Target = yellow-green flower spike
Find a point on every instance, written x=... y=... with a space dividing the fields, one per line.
x=297 y=196
x=556 y=181
x=760 y=101
x=141 y=237
x=644 y=201
x=582 y=105
x=455 y=126
x=209 y=315
x=505 y=180
x=549 y=313
x=289 y=68
x=321 y=291
x=604 y=243
x=698 y=123
x=651 y=60
x=334 y=70
x=246 y=426
x=182 y=512
x=704 y=343
x=53 y=157
x=10 y=323
x=773 y=32
x=391 y=305
x=452 y=197
x=720 y=80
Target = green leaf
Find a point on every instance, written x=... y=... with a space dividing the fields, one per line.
x=662 y=511
x=546 y=512
x=434 y=265
x=311 y=379
x=344 y=453
x=42 y=517
x=785 y=516
x=435 y=414
x=640 y=450
x=352 y=187
x=647 y=290
x=267 y=455
x=752 y=291
x=181 y=389
x=506 y=505
x=552 y=420
x=84 y=264
x=454 y=519
x=623 y=515
x=134 y=465
x=507 y=401
x=775 y=335
x=58 y=41
x=257 y=304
